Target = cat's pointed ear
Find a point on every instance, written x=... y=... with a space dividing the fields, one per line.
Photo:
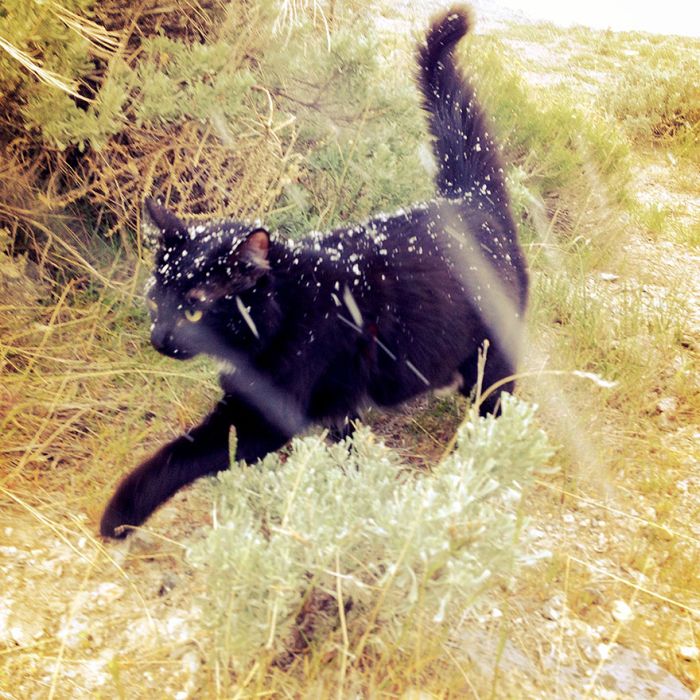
x=160 y=226
x=256 y=248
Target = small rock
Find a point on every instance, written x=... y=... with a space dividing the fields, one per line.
x=588 y=649
x=608 y=276
x=119 y=551
x=168 y=582
x=416 y=694
x=144 y=544
x=25 y=630
x=602 y=543
x=604 y=693
x=191 y=664
x=553 y=609
x=178 y=628
x=604 y=650
x=141 y=631
x=668 y=404
x=689 y=653
x=74 y=631
x=107 y=592
x=621 y=612
x=52 y=566
x=682 y=485
x=551 y=613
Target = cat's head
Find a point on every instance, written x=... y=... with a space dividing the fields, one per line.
x=210 y=291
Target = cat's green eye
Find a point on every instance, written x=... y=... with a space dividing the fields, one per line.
x=193 y=315
x=151 y=305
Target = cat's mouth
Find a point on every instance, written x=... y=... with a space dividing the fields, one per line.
x=175 y=353
x=165 y=344
x=176 y=342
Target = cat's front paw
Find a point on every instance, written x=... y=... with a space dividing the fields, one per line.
x=116 y=522
x=122 y=513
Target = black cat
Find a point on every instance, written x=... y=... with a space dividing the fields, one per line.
x=312 y=331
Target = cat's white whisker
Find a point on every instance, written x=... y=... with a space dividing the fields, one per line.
x=348 y=322
x=417 y=372
x=247 y=317
x=385 y=348
x=353 y=308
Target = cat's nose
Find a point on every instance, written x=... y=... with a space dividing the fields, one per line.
x=160 y=338
x=165 y=343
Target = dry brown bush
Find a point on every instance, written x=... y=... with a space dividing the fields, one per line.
x=199 y=167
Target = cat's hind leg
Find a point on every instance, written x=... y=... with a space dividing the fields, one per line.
x=497 y=367
x=342 y=429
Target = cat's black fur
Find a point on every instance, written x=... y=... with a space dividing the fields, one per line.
x=372 y=314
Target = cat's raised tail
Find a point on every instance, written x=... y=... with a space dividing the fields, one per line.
x=468 y=162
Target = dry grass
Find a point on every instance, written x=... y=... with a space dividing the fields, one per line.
x=195 y=164
x=622 y=517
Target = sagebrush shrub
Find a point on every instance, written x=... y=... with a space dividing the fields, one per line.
x=659 y=102
x=352 y=518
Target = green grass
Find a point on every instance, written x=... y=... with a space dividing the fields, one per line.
x=689 y=234
x=651 y=84
x=655 y=219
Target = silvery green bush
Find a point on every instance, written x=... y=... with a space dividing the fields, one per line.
x=352 y=518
